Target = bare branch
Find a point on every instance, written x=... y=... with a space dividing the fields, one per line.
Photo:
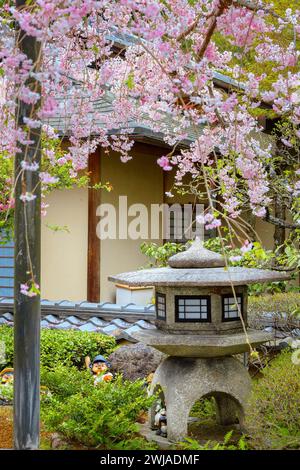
x=224 y=4
x=278 y=222
x=250 y=6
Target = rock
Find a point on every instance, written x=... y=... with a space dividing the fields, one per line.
x=57 y=442
x=295 y=344
x=287 y=340
x=279 y=344
x=283 y=345
x=135 y=361
x=280 y=334
x=296 y=332
x=269 y=329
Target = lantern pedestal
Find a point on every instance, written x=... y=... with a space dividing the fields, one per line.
x=183 y=381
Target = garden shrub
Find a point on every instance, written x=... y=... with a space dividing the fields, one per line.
x=274 y=413
x=256 y=257
x=285 y=306
x=159 y=254
x=103 y=416
x=6 y=394
x=62 y=347
x=288 y=303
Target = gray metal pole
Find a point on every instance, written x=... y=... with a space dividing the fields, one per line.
x=27 y=259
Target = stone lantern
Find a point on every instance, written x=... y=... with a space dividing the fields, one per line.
x=201 y=323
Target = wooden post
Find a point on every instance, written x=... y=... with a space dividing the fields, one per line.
x=94 y=243
x=27 y=259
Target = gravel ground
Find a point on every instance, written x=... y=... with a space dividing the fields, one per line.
x=6 y=427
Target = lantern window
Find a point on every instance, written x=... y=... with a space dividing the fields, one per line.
x=160 y=306
x=231 y=307
x=192 y=308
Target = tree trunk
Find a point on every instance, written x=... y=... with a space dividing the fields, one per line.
x=27 y=266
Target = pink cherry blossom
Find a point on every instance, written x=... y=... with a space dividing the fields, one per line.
x=163 y=80
x=164 y=163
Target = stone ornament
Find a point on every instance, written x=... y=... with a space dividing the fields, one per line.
x=201 y=325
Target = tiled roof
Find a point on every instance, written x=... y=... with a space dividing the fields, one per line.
x=104 y=107
x=121 y=321
x=115 y=320
x=122 y=40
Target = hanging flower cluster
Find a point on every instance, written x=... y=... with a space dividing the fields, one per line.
x=108 y=67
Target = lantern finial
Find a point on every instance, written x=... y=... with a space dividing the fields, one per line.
x=197 y=256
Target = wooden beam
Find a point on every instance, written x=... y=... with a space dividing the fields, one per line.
x=94 y=243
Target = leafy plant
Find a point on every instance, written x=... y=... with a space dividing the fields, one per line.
x=273 y=418
x=6 y=393
x=159 y=255
x=103 y=416
x=284 y=305
x=62 y=347
x=227 y=444
x=204 y=408
x=256 y=257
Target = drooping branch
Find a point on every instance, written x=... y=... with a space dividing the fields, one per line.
x=239 y=3
x=224 y=4
x=250 y=6
x=278 y=222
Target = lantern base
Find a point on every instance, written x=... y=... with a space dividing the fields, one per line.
x=205 y=346
x=183 y=381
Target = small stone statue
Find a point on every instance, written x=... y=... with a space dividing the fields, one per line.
x=99 y=368
x=160 y=420
x=162 y=423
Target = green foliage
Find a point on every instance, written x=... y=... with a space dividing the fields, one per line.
x=287 y=303
x=246 y=59
x=54 y=163
x=227 y=444
x=62 y=347
x=274 y=412
x=129 y=82
x=61 y=171
x=6 y=219
x=103 y=416
x=257 y=257
x=204 y=408
x=6 y=393
x=159 y=255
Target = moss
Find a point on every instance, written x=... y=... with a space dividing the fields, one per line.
x=273 y=418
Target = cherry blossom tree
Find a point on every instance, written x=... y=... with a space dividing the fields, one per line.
x=58 y=59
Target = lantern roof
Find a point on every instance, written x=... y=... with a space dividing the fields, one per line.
x=196 y=256
x=236 y=276
x=198 y=266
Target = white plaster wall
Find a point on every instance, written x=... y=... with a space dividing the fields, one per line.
x=64 y=254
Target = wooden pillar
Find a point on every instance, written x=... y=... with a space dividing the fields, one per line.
x=27 y=227
x=94 y=243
